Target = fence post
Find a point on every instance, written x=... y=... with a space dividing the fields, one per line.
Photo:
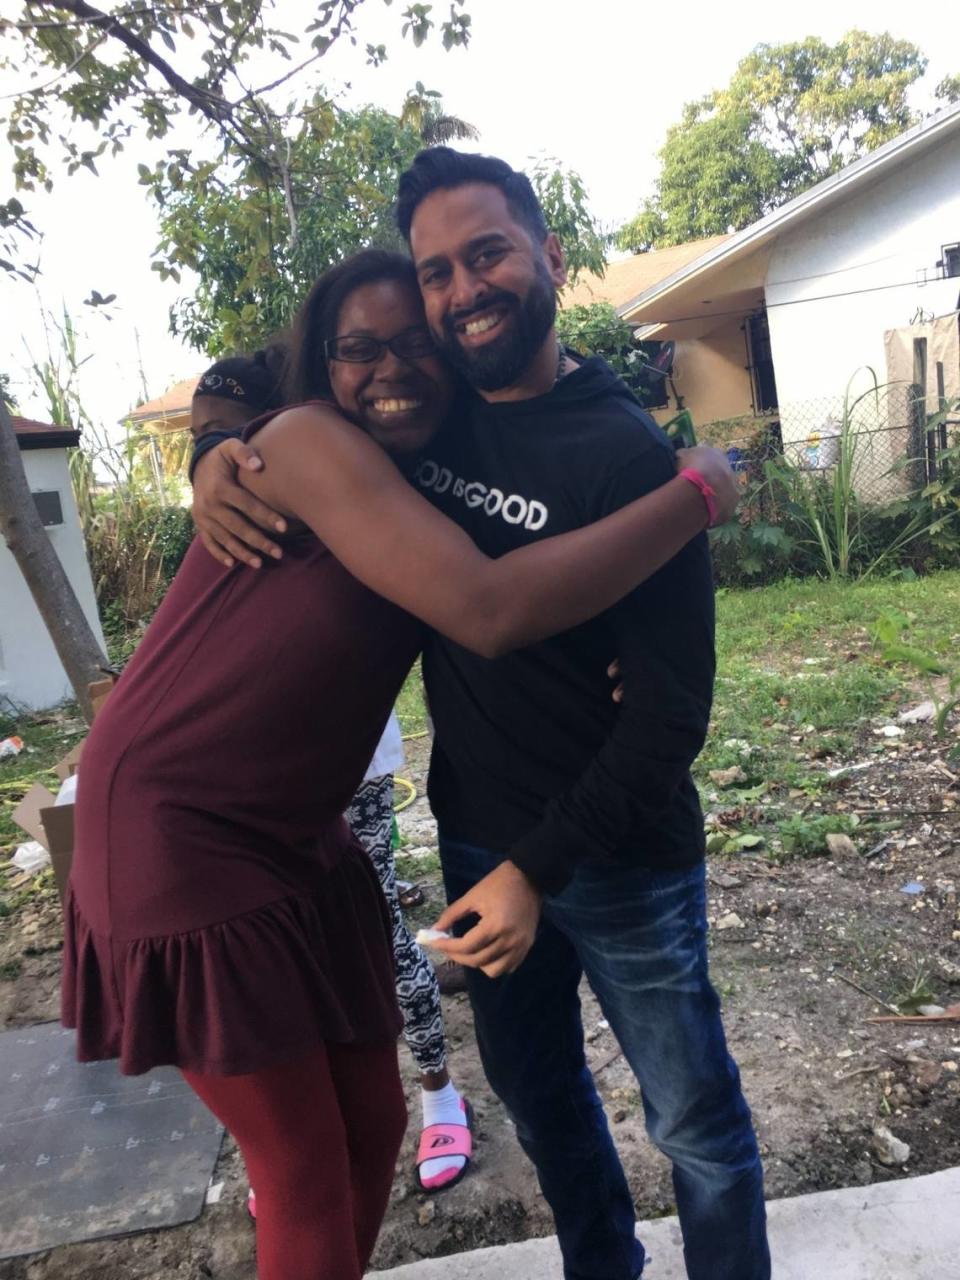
x=917 y=407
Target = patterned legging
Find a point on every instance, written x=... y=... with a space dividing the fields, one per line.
x=370 y=816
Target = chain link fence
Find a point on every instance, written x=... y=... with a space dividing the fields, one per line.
x=893 y=452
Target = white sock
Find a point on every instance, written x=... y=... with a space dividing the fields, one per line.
x=442 y=1106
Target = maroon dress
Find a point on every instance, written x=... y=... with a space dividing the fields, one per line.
x=220 y=916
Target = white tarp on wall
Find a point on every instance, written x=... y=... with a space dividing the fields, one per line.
x=943 y=347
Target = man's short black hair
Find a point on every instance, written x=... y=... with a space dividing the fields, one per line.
x=442 y=168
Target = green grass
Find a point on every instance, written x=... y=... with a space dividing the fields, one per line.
x=791 y=714
x=794 y=616
x=797 y=678
x=411 y=707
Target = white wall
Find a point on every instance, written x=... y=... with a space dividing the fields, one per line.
x=31 y=674
x=885 y=236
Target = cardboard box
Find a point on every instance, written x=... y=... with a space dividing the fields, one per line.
x=67 y=767
x=49 y=823
x=99 y=692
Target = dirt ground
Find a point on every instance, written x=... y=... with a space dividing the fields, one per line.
x=819 y=1076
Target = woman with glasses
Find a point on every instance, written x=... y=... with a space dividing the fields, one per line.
x=228 y=396
x=220 y=916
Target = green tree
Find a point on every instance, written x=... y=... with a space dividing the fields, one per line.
x=423 y=112
x=596 y=329
x=344 y=166
x=7 y=397
x=233 y=229
x=714 y=176
x=948 y=90
x=134 y=69
x=564 y=199
x=792 y=115
x=90 y=81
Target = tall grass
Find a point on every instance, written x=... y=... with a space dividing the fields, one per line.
x=834 y=521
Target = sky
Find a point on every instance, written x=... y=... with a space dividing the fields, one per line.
x=594 y=86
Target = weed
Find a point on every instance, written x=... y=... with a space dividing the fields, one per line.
x=805 y=836
x=417 y=868
x=888 y=636
x=794 y=519
x=917 y=994
x=411 y=705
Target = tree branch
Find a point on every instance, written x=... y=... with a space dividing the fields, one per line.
x=281 y=166
x=42 y=88
x=208 y=104
x=241 y=35
x=255 y=93
x=180 y=11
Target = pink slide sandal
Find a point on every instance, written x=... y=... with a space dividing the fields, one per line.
x=446 y=1140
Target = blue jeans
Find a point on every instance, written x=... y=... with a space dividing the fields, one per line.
x=639 y=936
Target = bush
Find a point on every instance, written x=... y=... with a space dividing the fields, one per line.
x=596 y=330
x=136 y=537
x=797 y=522
x=174 y=535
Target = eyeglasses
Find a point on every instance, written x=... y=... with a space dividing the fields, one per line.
x=362 y=349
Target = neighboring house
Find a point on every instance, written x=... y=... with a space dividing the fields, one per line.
x=31 y=674
x=624 y=278
x=169 y=412
x=789 y=309
x=709 y=369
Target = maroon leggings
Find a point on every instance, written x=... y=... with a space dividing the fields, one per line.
x=320 y=1138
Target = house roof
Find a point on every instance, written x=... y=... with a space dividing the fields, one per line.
x=625 y=278
x=658 y=303
x=171 y=410
x=43 y=435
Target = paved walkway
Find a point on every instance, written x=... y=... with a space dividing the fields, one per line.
x=906 y=1230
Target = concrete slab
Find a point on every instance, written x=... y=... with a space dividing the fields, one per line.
x=906 y=1230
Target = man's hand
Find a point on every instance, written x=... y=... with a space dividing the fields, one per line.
x=229 y=519
x=715 y=468
x=509 y=909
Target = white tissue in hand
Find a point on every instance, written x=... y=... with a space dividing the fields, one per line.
x=426 y=937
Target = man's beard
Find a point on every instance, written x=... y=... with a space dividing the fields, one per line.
x=502 y=361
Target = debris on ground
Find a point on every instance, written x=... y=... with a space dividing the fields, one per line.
x=727 y=777
x=30 y=857
x=730 y=921
x=918 y=715
x=815 y=942
x=888 y=1148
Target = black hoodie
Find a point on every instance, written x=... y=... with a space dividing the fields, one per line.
x=532 y=758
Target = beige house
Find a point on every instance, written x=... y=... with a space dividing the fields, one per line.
x=628 y=277
x=711 y=365
x=169 y=412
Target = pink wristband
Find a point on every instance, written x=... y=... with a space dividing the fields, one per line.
x=708 y=494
